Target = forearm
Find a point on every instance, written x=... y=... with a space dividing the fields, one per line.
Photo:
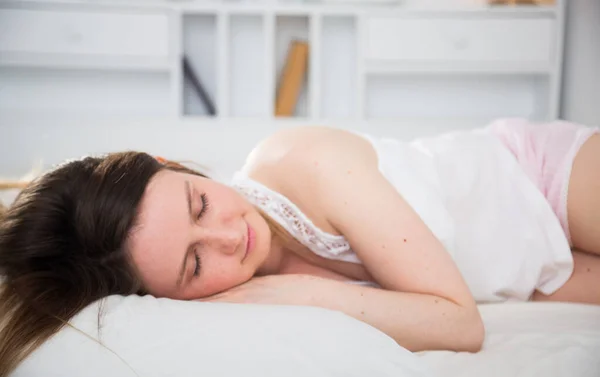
x=416 y=321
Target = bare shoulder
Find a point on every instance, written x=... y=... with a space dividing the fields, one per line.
x=306 y=154
x=306 y=164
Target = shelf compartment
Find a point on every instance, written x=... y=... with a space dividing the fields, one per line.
x=249 y=94
x=474 y=96
x=287 y=29
x=200 y=48
x=339 y=56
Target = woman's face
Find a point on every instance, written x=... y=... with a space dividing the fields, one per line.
x=196 y=237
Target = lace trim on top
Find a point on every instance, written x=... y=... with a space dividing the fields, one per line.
x=289 y=216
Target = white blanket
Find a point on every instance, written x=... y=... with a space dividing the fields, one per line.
x=477 y=200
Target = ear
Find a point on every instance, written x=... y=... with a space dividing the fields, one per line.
x=161 y=160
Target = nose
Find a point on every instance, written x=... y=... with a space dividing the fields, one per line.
x=225 y=240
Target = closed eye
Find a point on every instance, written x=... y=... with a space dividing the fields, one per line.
x=197 y=268
x=205 y=205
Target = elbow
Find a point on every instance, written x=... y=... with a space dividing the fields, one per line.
x=473 y=332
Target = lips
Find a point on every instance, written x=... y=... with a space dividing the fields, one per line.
x=250 y=236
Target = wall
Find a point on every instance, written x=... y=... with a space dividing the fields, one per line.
x=581 y=80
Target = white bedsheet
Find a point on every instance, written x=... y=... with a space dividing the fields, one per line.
x=529 y=339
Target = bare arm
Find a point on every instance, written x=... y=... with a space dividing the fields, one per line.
x=416 y=321
x=427 y=304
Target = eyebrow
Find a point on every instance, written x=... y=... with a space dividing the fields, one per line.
x=188 y=198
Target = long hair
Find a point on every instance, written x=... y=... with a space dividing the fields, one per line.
x=62 y=246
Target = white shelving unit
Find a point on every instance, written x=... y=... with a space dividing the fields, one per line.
x=367 y=63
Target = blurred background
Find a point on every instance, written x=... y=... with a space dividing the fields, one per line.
x=203 y=81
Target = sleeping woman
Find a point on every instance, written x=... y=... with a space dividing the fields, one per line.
x=406 y=236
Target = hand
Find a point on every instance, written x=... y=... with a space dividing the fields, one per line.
x=289 y=289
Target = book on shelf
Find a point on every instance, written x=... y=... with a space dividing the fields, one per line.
x=292 y=78
x=192 y=76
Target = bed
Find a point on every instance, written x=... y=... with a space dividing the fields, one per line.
x=530 y=339
x=160 y=337
x=149 y=337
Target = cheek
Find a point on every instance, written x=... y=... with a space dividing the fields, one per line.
x=219 y=277
x=230 y=201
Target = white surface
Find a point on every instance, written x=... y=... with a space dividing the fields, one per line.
x=77 y=61
x=420 y=97
x=473 y=40
x=177 y=338
x=220 y=145
x=79 y=32
x=83 y=92
x=314 y=75
x=530 y=339
x=339 y=53
x=223 y=61
x=247 y=61
x=582 y=63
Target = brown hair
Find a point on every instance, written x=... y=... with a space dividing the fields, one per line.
x=62 y=246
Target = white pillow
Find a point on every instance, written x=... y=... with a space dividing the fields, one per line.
x=162 y=337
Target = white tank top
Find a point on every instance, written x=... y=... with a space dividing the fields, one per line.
x=475 y=198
